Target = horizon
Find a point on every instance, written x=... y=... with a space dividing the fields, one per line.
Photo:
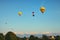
x=33 y=33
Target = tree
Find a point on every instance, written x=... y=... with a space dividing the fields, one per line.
x=57 y=38
x=36 y=38
x=32 y=37
x=10 y=36
x=44 y=37
x=18 y=38
x=24 y=38
x=1 y=36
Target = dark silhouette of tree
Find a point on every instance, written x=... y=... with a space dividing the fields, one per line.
x=18 y=38
x=32 y=37
x=24 y=38
x=36 y=38
x=2 y=36
x=44 y=37
x=40 y=39
x=10 y=36
x=57 y=38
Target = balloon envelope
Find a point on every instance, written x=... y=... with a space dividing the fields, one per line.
x=42 y=9
x=33 y=14
x=19 y=13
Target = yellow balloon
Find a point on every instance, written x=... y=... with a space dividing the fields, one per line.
x=42 y=9
x=19 y=13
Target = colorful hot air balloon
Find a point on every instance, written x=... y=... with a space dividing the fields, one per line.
x=33 y=14
x=42 y=9
x=19 y=13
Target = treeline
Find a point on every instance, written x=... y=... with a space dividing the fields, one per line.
x=12 y=36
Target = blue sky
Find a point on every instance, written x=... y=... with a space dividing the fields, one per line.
x=47 y=22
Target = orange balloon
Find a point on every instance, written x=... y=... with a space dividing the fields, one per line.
x=42 y=9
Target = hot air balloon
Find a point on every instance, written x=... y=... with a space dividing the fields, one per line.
x=42 y=9
x=5 y=22
x=33 y=14
x=19 y=13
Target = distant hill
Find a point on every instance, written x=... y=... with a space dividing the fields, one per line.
x=38 y=35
